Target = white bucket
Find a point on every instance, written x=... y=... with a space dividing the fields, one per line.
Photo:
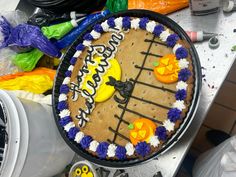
x=35 y=147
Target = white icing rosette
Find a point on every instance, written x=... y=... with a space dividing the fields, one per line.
x=129 y=149
x=154 y=141
x=93 y=146
x=64 y=113
x=179 y=104
x=164 y=35
x=78 y=137
x=111 y=152
x=68 y=126
x=62 y=97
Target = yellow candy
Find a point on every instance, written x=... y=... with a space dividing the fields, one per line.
x=90 y=174
x=85 y=169
x=34 y=83
x=83 y=175
x=104 y=91
x=78 y=172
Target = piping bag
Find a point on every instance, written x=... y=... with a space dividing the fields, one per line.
x=71 y=37
x=117 y=5
x=160 y=6
x=47 y=18
x=37 y=71
x=31 y=83
x=25 y=35
x=59 y=30
x=27 y=61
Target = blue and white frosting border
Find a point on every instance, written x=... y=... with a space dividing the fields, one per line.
x=104 y=149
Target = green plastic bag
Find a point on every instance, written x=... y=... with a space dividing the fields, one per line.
x=57 y=31
x=117 y=5
x=27 y=61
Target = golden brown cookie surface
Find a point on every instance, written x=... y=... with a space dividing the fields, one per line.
x=138 y=93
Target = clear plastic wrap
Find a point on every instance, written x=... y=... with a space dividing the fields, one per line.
x=6 y=65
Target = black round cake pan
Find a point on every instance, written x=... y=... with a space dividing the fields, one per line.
x=192 y=108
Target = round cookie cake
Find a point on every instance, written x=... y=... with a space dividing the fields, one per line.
x=127 y=88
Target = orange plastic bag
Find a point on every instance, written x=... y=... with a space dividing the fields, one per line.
x=38 y=71
x=34 y=83
x=160 y=6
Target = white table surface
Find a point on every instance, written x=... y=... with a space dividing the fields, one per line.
x=8 y=5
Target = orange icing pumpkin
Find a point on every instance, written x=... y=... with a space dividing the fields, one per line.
x=167 y=69
x=141 y=130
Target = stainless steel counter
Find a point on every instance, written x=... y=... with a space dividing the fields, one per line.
x=216 y=62
x=216 y=65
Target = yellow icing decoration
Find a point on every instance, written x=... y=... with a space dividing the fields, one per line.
x=142 y=133
x=139 y=125
x=134 y=134
x=161 y=70
x=169 y=67
x=165 y=61
x=104 y=91
x=167 y=70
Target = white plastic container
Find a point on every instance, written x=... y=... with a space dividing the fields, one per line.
x=35 y=147
x=204 y=7
x=80 y=165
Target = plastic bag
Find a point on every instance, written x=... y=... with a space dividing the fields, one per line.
x=25 y=35
x=15 y=17
x=214 y=162
x=48 y=62
x=46 y=18
x=59 y=30
x=27 y=61
x=161 y=6
x=38 y=71
x=6 y=65
x=67 y=40
x=39 y=98
x=117 y=5
x=34 y=83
